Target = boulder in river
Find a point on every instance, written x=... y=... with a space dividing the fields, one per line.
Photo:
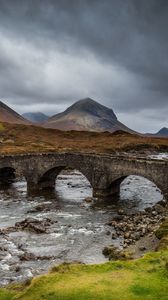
x=34 y=225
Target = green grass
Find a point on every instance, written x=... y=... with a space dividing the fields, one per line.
x=6 y=295
x=145 y=279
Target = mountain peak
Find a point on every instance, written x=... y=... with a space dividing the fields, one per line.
x=86 y=101
x=8 y=115
x=164 y=128
x=92 y=107
x=163 y=132
x=86 y=115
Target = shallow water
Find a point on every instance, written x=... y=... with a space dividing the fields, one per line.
x=78 y=232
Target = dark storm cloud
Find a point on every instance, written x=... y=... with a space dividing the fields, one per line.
x=55 y=52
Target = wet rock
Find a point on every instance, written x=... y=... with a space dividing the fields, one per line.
x=15 y=268
x=3 y=248
x=27 y=275
x=88 y=199
x=27 y=256
x=34 y=225
x=108 y=232
x=114 y=235
x=61 y=178
x=75 y=186
x=39 y=208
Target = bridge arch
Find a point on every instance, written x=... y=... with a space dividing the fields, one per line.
x=48 y=178
x=114 y=187
x=7 y=174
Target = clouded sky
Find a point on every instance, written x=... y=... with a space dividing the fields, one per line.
x=53 y=53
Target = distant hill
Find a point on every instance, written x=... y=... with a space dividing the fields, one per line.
x=162 y=132
x=86 y=115
x=35 y=117
x=10 y=116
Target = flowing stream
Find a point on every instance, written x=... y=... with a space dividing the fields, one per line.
x=77 y=232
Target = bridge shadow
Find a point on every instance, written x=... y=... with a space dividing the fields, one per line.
x=7 y=176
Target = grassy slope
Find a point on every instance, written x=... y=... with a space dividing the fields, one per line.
x=145 y=278
x=22 y=139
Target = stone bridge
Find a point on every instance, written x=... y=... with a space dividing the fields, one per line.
x=104 y=172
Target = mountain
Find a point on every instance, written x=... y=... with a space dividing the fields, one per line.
x=86 y=115
x=162 y=132
x=35 y=117
x=10 y=116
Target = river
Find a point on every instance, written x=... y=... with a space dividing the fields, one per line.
x=77 y=232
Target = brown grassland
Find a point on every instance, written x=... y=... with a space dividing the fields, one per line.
x=22 y=139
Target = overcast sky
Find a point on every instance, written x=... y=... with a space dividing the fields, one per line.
x=53 y=53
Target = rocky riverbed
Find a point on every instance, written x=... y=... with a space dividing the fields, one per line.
x=137 y=231
x=132 y=227
x=39 y=231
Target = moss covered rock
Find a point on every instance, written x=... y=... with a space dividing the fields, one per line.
x=162 y=234
x=163 y=230
x=113 y=253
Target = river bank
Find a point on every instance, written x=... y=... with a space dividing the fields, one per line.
x=137 y=231
x=144 y=278
x=69 y=225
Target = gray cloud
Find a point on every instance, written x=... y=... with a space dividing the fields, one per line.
x=53 y=53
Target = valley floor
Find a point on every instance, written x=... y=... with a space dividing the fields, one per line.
x=16 y=138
